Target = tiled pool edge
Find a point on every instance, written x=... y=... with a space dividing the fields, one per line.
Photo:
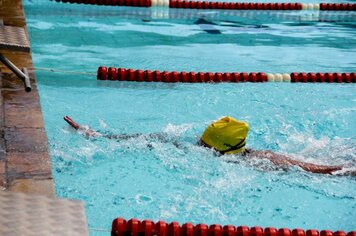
x=25 y=164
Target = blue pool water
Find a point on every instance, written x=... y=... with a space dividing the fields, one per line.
x=311 y=122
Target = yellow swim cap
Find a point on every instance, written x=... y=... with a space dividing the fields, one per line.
x=226 y=135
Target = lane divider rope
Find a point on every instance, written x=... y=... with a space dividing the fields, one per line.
x=122 y=74
x=134 y=227
x=220 y=5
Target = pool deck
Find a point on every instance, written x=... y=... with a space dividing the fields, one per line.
x=25 y=164
x=34 y=215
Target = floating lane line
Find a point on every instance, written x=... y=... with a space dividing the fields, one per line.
x=134 y=227
x=122 y=74
x=220 y=5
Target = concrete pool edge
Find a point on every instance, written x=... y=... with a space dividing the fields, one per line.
x=25 y=164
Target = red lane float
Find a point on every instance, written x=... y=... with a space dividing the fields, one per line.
x=337 y=6
x=323 y=77
x=122 y=74
x=134 y=227
x=260 y=6
x=188 y=4
x=233 y=5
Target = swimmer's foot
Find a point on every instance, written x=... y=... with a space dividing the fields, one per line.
x=71 y=122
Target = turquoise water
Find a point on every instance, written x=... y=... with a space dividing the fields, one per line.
x=147 y=178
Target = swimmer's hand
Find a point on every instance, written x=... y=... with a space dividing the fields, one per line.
x=86 y=131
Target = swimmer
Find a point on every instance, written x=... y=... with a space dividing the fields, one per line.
x=225 y=136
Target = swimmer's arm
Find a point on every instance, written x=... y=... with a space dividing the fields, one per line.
x=86 y=131
x=92 y=133
x=89 y=133
x=285 y=162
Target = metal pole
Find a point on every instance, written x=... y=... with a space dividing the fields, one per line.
x=27 y=82
x=23 y=76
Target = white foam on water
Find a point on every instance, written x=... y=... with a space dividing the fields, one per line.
x=321 y=150
x=177 y=130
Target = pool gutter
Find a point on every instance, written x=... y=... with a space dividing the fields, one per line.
x=25 y=164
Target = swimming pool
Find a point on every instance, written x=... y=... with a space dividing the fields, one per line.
x=312 y=122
